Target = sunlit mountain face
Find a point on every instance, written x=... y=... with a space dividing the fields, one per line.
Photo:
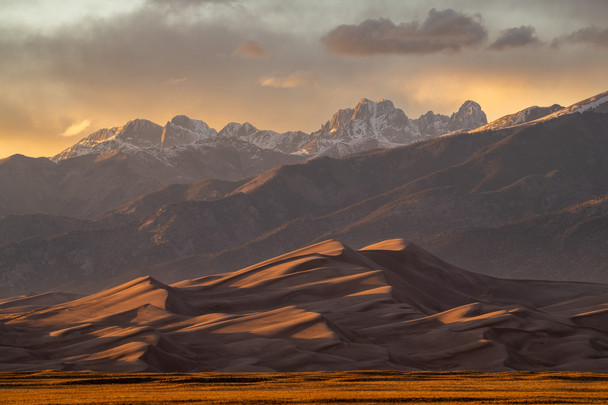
x=195 y=186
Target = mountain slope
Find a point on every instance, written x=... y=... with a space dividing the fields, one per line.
x=458 y=183
x=325 y=307
x=453 y=183
x=18 y=227
x=204 y=190
x=576 y=236
x=92 y=184
x=521 y=117
x=534 y=115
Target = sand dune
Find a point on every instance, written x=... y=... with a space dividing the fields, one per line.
x=390 y=305
x=28 y=303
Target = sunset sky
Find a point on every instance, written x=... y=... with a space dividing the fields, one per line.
x=71 y=67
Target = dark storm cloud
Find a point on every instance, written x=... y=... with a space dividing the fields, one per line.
x=443 y=29
x=516 y=37
x=594 y=36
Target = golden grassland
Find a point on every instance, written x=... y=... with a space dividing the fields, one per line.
x=357 y=387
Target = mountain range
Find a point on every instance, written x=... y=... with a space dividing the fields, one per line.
x=390 y=305
x=369 y=125
x=113 y=166
x=522 y=198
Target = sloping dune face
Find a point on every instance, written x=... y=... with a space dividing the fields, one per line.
x=391 y=305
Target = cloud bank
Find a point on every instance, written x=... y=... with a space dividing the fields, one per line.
x=442 y=30
x=515 y=37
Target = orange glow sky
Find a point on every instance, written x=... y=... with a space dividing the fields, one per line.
x=283 y=64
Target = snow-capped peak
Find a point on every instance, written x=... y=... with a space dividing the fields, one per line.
x=469 y=116
x=137 y=133
x=534 y=113
x=367 y=125
x=364 y=111
x=193 y=125
x=182 y=130
x=287 y=142
x=236 y=130
x=379 y=124
x=596 y=104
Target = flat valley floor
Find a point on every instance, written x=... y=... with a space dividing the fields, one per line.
x=357 y=387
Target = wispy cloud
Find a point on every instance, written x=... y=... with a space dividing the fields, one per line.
x=251 y=49
x=594 y=36
x=77 y=127
x=177 y=80
x=442 y=29
x=295 y=79
x=515 y=37
x=183 y=5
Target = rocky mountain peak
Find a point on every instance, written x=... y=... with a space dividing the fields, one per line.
x=368 y=125
x=469 y=116
x=366 y=109
x=339 y=119
x=432 y=124
x=237 y=130
x=136 y=133
x=182 y=130
x=188 y=123
x=141 y=133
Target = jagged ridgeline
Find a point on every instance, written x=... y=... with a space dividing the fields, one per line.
x=115 y=165
x=367 y=126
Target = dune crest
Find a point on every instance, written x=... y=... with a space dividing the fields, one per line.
x=390 y=305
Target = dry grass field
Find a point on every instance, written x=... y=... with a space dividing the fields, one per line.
x=358 y=387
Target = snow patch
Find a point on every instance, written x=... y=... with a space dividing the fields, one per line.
x=594 y=104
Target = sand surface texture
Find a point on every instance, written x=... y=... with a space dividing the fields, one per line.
x=325 y=307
